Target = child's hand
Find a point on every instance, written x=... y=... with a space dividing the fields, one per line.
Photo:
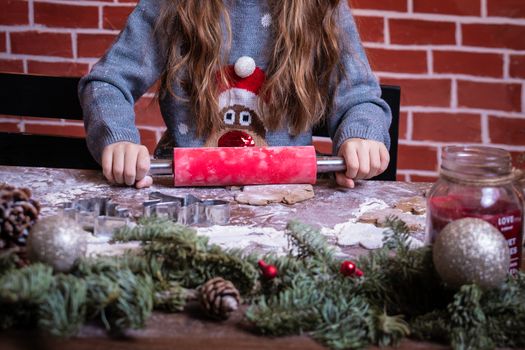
x=364 y=159
x=126 y=163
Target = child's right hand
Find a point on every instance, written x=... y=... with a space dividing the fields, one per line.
x=126 y=163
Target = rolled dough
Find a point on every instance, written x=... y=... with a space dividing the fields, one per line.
x=379 y=218
x=415 y=205
x=266 y=194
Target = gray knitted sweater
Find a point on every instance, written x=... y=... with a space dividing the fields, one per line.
x=135 y=61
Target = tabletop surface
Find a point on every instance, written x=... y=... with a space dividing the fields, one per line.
x=330 y=207
x=256 y=228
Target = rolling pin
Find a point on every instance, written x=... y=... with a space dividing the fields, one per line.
x=236 y=166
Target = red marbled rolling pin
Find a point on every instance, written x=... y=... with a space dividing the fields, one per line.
x=228 y=166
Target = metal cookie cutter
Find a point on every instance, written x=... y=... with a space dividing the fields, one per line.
x=187 y=210
x=99 y=215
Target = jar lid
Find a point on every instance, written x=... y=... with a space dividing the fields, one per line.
x=476 y=161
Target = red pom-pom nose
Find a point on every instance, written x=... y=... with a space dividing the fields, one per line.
x=236 y=138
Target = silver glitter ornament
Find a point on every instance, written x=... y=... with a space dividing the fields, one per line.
x=471 y=251
x=57 y=241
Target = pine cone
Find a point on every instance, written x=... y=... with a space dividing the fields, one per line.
x=18 y=213
x=219 y=298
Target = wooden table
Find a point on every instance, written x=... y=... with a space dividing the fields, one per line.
x=331 y=205
x=187 y=330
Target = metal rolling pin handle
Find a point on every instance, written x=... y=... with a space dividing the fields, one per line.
x=161 y=167
x=330 y=164
x=324 y=165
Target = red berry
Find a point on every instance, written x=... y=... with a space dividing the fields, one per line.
x=349 y=269
x=268 y=271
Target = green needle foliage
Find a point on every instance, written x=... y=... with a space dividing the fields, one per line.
x=63 y=311
x=175 y=253
x=26 y=285
x=316 y=299
x=399 y=295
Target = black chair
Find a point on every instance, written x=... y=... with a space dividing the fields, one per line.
x=392 y=96
x=24 y=95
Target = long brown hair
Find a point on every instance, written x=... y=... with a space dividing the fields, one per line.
x=304 y=65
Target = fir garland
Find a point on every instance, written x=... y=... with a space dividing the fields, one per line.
x=400 y=294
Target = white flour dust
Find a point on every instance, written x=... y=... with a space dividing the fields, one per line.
x=370 y=204
x=270 y=240
x=368 y=236
x=266 y=239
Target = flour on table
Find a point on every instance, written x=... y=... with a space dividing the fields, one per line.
x=270 y=240
x=247 y=238
x=70 y=194
x=266 y=239
x=259 y=240
x=365 y=234
x=370 y=204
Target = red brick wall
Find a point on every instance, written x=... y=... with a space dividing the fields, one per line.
x=460 y=63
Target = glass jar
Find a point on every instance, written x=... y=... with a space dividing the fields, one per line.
x=478 y=182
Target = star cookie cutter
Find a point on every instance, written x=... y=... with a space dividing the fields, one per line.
x=187 y=210
x=99 y=215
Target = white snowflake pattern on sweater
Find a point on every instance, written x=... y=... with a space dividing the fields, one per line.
x=266 y=20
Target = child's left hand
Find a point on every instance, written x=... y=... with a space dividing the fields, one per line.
x=364 y=159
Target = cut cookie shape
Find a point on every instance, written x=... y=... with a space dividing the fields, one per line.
x=416 y=205
x=379 y=218
x=266 y=194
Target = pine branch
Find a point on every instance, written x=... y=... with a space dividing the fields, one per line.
x=433 y=326
x=102 y=292
x=27 y=285
x=135 y=305
x=391 y=330
x=292 y=311
x=308 y=242
x=347 y=325
x=505 y=306
x=325 y=309
x=403 y=284
x=176 y=253
x=63 y=311
x=123 y=298
x=229 y=267
x=468 y=321
x=288 y=267
x=161 y=231
x=397 y=236
x=309 y=295
x=172 y=297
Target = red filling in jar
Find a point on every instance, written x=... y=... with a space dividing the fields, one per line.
x=478 y=182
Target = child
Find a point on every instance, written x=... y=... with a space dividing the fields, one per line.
x=237 y=73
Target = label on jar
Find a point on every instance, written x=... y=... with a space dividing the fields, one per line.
x=510 y=226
